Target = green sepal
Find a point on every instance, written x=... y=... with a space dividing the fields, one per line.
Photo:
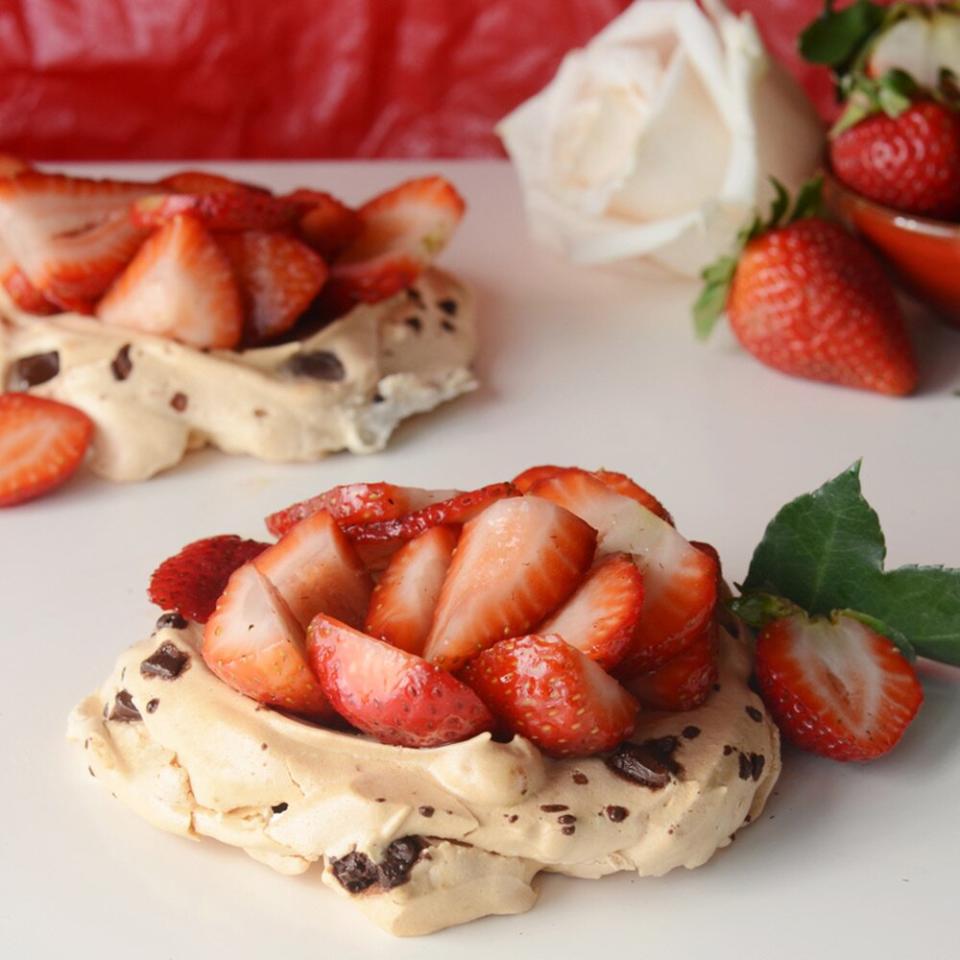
x=756 y=609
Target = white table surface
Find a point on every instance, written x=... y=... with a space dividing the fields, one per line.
x=580 y=367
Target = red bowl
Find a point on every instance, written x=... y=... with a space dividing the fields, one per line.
x=925 y=253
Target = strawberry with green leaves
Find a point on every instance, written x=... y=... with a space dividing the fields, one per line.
x=807 y=298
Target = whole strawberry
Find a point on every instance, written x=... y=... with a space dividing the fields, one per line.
x=910 y=161
x=807 y=298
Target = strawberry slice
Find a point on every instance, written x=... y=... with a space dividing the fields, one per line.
x=42 y=443
x=601 y=617
x=390 y=694
x=680 y=581
x=70 y=236
x=681 y=683
x=403 y=602
x=236 y=208
x=10 y=165
x=180 y=285
x=316 y=570
x=618 y=482
x=403 y=230
x=278 y=278
x=516 y=562
x=454 y=510
x=357 y=503
x=835 y=687
x=326 y=224
x=25 y=295
x=253 y=643
x=201 y=181
x=192 y=580
x=549 y=692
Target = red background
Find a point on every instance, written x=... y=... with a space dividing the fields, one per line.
x=179 y=79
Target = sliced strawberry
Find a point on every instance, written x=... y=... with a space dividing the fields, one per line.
x=546 y=690
x=456 y=510
x=25 y=295
x=403 y=602
x=232 y=209
x=835 y=687
x=253 y=643
x=532 y=475
x=315 y=570
x=601 y=617
x=681 y=683
x=357 y=503
x=200 y=181
x=10 y=165
x=390 y=694
x=328 y=225
x=680 y=581
x=42 y=443
x=180 y=285
x=278 y=277
x=516 y=562
x=402 y=231
x=70 y=236
x=192 y=580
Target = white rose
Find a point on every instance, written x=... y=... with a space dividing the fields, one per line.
x=923 y=43
x=656 y=140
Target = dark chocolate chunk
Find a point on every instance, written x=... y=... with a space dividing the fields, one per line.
x=124 y=710
x=569 y=830
x=448 y=305
x=727 y=750
x=152 y=705
x=746 y=768
x=616 y=814
x=398 y=861
x=416 y=296
x=167 y=662
x=121 y=365
x=171 y=619
x=648 y=764
x=33 y=370
x=690 y=733
x=355 y=871
x=754 y=714
x=279 y=807
x=580 y=778
x=757 y=760
x=553 y=807
x=426 y=811
x=513 y=818
x=566 y=818
x=179 y=401
x=378 y=397
x=318 y=364
x=414 y=323
x=448 y=326
x=259 y=413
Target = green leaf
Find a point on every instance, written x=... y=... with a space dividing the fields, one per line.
x=835 y=38
x=884 y=629
x=825 y=550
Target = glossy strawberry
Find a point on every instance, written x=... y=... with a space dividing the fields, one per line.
x=325 y=223
x=202 y=181
x=232 y=209
x=835 y=687
x=25 y=295
x=192 y=580
x=389 y=694
x=516 y=562
x=546 y=690
x=683 y=682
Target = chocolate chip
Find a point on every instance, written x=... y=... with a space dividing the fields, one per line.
x=399 y=860
x=378 y=397
x=355 y=872
x=179 y=401
x=616 y=814
x=121 y=365
x=448 y=326
x=746 y=768
x=173 y=620
x=123 y=709
x=152 y=705
x=259 y=413
x=648 y=764
x=513 y=818
x=567 y=818
x=716 y=688
x=568 y=831
x=757 y=762
x=318 y=364
x=426 y=811
x=416 y=296
x=448 y=305
x=35 y=369
x=279 y=807
x=167 y=662
x=414 y=323
x=580 y=778
x=553 y=807
x=727 y=750
x=92 y=774
x=691 y=732
x=754 y=714
x=747 y=818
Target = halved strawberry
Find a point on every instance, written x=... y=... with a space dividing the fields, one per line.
x=403 y=602
x=455 y=510
x=42 y=443
x=601 y=617
x=390 y=694
x=835 y=687
x=253 y=643
x=680 y=581
x=546 y=690
x=357 y=503
x=315 y=569
x=25 y=295
x=192 y=580
x=202 y=181
x=233 y=209
x=403 y=230
x=180 y=285
x=278 y=277
x=328 y=225
x=681 y=683
x=70 y=236
x=516 y=562
x=10 y=165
